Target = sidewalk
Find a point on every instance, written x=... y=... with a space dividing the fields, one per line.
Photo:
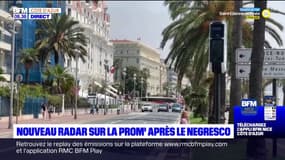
x=58 y=119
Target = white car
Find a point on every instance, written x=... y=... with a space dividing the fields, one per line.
x=147 y=108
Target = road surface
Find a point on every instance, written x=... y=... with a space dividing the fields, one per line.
x=142 y=118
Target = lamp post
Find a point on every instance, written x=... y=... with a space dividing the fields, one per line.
x=141 y=88
x=14 y=22
x=160 y=79
x=124 y=89
x=135 y=78
x=76 y=85
x=106 y=68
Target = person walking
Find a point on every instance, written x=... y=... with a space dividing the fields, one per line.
x=50 y=110
x=43 y=106
x=184 y=118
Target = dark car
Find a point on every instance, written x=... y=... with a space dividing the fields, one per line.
x=176 y=107
x=163 y=108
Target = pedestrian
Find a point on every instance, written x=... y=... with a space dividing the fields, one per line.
x=97 y=109
x=43 y=106
x=50 y=108
x=184 y=118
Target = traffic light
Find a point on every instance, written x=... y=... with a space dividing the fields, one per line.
x=218 y=41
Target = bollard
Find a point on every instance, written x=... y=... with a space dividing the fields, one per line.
x=118 y=111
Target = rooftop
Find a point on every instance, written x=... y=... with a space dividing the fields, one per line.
x=139 y=42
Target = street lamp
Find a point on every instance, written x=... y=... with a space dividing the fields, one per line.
x=124 y=74
x=141 y=87
x=76 y=85
x=135 y=78
x=106 y=69
x=14 y=23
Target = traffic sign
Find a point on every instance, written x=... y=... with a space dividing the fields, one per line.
x=270 y=71
x=19 y=77
x=270 y=56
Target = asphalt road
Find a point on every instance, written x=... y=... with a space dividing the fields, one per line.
x=143 y=118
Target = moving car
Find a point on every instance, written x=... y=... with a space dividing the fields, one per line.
x=163 y=108
x=176 y=107
x=147 y=107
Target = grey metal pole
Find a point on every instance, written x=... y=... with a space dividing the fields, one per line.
x=18 y=103
x=134 y=88
x=76 y=86
x=141 y=88
x=105 y=107
x=274 y=143
x=10 y=123
x=217 y=99
x=135 y=78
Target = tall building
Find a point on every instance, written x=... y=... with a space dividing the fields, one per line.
x=26 y=37
x=171 y=81
x=5 y=40
x=163 y=78
x=93 y=16
x=140 y=55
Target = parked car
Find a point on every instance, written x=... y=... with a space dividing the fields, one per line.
x=163 y=108
x=176 y=107
x=147 y=107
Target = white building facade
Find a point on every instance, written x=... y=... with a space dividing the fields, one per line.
x=5 y=41
x=139 y=55
x=93 y=16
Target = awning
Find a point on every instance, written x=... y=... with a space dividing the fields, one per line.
x=108 y=90
x=98 y=84
x=112 y=88
x=114 y=94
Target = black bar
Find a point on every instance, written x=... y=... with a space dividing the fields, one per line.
x=274 y=144
x=217 y=95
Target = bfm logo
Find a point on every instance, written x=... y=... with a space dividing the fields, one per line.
x=248 y=103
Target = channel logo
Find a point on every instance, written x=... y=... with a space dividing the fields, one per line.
x=248 y=106
x=265 y=13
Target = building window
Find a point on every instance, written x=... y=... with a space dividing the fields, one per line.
x=69 y=11
x=68 y=1
x=138 y=51
x=121 y=51
x=127 y=51
x=49 y=4
x=138 y=60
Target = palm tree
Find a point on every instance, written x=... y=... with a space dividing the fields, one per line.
x=256 y=148
x=235 y=88
x=28 y=57
x=59 y=78
x=189 y=33
x=61 y=36
x=1 y=77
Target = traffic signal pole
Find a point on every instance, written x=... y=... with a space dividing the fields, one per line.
x=217 y=97
x=218 y=60
x=274 y=143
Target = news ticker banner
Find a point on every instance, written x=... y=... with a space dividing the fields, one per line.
x=123 y=131
x=34 y=13
x=259 y=121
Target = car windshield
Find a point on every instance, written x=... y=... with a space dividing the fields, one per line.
x=176 y=106
x=162 y=106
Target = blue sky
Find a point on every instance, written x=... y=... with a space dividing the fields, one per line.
x=134 y=19
x=147 y=19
